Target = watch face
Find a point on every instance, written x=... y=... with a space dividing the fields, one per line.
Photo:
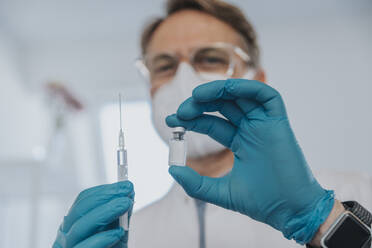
x=348 y=232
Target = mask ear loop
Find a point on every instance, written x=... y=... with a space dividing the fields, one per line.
x=144 y=73
x=231 y=68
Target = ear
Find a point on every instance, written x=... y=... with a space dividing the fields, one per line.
x=260 y=76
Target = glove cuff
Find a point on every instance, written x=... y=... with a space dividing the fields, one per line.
x=302 y=228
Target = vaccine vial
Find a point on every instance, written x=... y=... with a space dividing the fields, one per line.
x=177 y=147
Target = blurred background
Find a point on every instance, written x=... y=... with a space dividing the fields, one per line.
x=63 y=63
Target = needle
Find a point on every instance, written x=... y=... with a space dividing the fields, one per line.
x=120 y=111
x=121 y=133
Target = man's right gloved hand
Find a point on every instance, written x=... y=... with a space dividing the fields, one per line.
x=270 y=181
x=93 y=218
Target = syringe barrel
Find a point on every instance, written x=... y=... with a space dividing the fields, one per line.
x=124 y=221
x=122 y=176
x=122 y=164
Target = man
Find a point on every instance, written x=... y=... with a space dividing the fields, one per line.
x=256 y=168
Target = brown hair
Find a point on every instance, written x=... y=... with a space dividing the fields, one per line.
x=223 y=11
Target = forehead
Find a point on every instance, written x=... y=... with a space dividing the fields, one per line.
x=187 y=29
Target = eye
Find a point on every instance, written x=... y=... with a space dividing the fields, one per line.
x=212 y=60
x=163 y=64
x=163 y=68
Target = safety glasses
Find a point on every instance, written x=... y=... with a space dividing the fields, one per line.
x=218 y=58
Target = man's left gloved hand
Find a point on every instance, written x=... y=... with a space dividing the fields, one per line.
x=270 y=180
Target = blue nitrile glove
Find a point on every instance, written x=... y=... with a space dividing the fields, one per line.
x=270 y=180
x=92 y=221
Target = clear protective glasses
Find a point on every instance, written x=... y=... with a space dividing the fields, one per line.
x=217 y=58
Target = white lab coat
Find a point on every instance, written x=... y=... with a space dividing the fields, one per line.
x=173 y=222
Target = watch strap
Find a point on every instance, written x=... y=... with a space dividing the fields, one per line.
x=359 y=211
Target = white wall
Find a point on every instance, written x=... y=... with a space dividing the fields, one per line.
x=23 y=127
x=323 y=67
x=24 y=124
x=36 y=193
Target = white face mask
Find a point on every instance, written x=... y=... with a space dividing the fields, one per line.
x=169 y=96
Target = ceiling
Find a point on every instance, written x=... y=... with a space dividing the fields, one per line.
x=90 y=45
x=56 y=20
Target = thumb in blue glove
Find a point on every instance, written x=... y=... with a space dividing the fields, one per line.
x=270 y=180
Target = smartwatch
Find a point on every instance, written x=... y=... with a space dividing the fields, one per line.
x=352 y=229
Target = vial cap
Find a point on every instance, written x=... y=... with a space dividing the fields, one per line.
x=178 y=130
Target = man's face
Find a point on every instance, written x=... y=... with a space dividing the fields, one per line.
x=187 y=30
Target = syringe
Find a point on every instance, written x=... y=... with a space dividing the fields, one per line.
x=122 y=167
